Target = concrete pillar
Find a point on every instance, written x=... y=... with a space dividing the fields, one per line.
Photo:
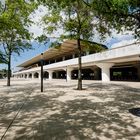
x=63 y=58
x=32 y=75
x=105 y=71
x=50 y=75
x=73 y=56
x=68 y=73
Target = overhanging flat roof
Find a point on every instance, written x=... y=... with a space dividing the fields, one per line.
x=67 y=47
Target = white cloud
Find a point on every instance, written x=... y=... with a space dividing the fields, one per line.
x=36 y=27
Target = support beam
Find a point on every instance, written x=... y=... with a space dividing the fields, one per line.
x=105 y=71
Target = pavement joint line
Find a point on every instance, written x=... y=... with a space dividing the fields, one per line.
x=10 y=124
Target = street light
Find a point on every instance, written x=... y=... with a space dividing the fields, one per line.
x=42 y=72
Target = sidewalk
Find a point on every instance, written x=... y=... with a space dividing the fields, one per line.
x=99 y=112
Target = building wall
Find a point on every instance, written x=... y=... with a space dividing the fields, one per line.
x=103 y=60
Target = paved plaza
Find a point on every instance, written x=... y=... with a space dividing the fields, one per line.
x=99 y=112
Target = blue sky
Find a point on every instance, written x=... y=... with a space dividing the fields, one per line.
x=26 y=55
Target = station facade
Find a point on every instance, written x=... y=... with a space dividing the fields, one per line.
x=116 y=64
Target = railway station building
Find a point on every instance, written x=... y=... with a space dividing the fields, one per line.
x=121 y=63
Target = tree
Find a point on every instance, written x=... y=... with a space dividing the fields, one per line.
x=76 y=20
x=118 y=14
x=14 y=36
x=2 y=58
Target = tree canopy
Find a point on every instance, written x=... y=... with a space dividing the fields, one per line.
x=118 y=14
x=14 y=35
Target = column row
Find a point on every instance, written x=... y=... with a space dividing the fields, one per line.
x=104 y=72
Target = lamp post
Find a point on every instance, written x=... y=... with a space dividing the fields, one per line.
x=41 y=72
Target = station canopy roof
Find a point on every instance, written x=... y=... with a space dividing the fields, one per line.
x=67 y=47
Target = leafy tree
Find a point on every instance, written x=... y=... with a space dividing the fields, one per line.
x=3 y=73
x=118 y=14
x=76 y=19
x=14 y=36
x=2 y=58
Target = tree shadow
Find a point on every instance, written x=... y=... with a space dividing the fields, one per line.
x=44 y=117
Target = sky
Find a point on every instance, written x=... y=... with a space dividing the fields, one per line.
x=37 y=30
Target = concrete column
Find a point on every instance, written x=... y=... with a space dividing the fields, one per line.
x=68 y=73
x=73 y=56
x=63 y=58
x=105 y=71
x=32 y=75
x=50 y=75
x=23 y=75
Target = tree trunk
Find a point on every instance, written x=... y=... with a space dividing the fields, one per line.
x=79 y=66
x=9 y=70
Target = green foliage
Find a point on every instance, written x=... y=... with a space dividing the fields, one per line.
x=76 y=18
x=92 y=46
x=2 y=58
x=14 y=36
x=55 y=45
x=42 y=38
x=3 y=73
x=119 y=14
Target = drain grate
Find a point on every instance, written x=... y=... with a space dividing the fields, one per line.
x=135 y=111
